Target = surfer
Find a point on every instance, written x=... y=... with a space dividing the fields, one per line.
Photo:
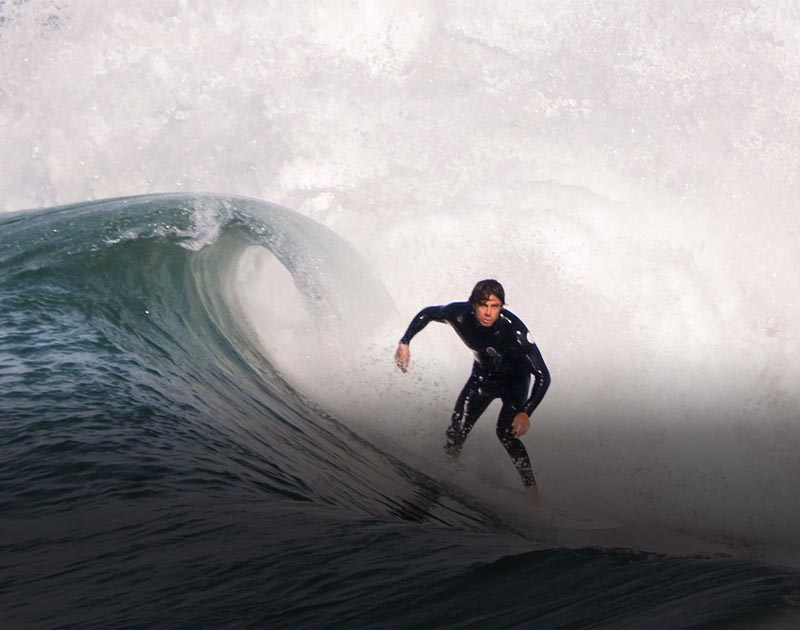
x=505 y=358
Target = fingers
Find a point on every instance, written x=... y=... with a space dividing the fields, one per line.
x=401 y=357
x=520 y=425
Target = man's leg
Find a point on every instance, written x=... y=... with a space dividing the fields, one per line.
x=471 y=403
x=516 y=451
x=513 y=399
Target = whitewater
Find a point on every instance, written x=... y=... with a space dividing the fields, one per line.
x=220 y=217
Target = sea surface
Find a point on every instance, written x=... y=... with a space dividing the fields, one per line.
x=159 y=471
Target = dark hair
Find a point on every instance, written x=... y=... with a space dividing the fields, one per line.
x=485 y=289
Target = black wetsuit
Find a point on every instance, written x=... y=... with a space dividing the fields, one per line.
x=505 y=358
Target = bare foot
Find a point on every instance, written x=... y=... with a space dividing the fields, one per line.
x=533 y=495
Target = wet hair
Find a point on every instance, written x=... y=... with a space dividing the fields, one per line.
x=485 y=289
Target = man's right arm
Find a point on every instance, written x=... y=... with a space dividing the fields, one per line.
x=422 y=319
x=430 y=314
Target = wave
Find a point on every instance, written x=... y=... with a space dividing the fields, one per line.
x=164 y=435
x=122 y=327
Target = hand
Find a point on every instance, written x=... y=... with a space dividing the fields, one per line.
x=520 y=424
x=402 y=357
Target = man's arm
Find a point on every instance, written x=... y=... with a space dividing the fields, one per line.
x=430 y=314
x=536 y=365
x=422 y=319
x=541 y=375
x=541 y=379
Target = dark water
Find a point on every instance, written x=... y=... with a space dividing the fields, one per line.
x=157 y=471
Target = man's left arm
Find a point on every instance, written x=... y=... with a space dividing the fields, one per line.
x=541 y=378
x=541 y=381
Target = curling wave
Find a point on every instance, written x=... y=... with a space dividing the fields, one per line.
x=155 y=449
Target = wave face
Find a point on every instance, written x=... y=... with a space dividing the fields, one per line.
x=160 y=469
x=120 y=314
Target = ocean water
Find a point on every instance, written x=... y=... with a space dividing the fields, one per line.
x=159 y=470
x=220 y=217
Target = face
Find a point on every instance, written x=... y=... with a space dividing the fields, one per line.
x=487 y=312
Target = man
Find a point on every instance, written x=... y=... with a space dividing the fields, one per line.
x=505 y=358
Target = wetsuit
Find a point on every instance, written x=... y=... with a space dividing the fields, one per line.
x=505 y=358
